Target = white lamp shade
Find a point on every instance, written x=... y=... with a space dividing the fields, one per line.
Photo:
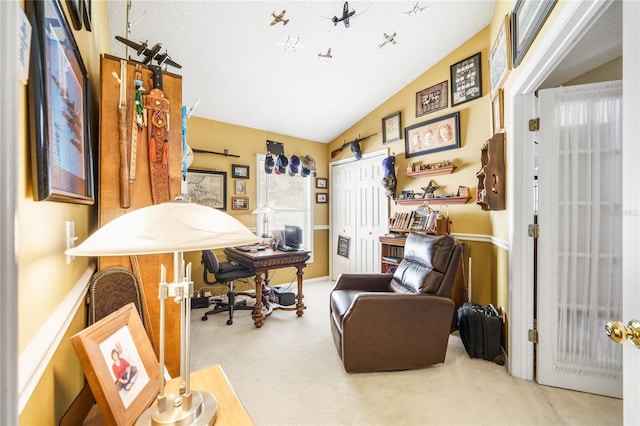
x=163 y=228
x=263 y=209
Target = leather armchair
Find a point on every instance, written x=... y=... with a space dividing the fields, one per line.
x=401 y=321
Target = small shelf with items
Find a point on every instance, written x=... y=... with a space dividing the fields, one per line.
x=445 y=170
x=435 y=200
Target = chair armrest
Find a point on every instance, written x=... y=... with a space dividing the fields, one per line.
x=363 y=282
x=405 y=311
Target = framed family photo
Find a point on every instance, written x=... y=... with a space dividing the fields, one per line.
x=120 y=365
x=432 y=99
x=60 y=125
x=466 y=80
x=391 y=127
x=439 y=134
x=208 y=187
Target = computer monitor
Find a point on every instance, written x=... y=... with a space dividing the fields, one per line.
x=293 y=236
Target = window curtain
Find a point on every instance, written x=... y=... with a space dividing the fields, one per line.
x=588 y=149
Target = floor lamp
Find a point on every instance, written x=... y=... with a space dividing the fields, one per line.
x=264 y=211
x=173 y=227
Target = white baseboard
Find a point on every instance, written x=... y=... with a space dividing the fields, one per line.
x=38 y=354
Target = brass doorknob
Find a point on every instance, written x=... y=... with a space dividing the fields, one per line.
x=619 y=332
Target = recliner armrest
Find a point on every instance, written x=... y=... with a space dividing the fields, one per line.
x=363 y=282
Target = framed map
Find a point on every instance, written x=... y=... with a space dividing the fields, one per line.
x=208 y=187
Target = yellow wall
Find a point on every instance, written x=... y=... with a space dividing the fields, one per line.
x=44 y=278
x=246 y=142
x=475 y=129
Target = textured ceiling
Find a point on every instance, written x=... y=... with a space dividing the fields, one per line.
x=246 y=72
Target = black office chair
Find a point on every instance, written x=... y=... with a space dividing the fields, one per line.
x=225 y=273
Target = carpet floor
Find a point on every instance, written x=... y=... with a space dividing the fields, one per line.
x=289 y=373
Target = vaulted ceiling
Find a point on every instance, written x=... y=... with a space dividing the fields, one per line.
x=247 y=72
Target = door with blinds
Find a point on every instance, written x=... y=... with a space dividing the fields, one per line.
x=359 y=214
x=579 y=266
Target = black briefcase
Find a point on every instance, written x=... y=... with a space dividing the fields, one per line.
x=480 y=329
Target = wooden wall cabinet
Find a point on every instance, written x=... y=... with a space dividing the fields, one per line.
x=491 y=177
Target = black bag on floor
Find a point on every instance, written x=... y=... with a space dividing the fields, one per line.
x=480 y=329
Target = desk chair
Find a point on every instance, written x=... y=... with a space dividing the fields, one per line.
x=225 y=273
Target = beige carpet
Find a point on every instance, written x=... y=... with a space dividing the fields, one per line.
x=289 y=373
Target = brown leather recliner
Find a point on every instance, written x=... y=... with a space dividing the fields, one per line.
x=382 y=322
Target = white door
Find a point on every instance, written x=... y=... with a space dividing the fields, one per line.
x=580 y=245
x=359 y=213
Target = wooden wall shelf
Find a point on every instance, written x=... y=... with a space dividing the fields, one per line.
x=437 y=200
x=432 y=172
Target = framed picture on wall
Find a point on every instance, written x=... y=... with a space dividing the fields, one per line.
x=527 y=19
x=500 y=56
x=239 y=171
x=497 y=111
x=208 y=187
x=466 y=80
x=391 y=127
x=240 y=203
x=59 y=97
x=435 y=135
x=322 y=198
x=432 y=99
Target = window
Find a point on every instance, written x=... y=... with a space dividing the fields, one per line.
x=291 y=197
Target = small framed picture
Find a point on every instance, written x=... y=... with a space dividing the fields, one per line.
x=497 y=111
x=240 y=203
x=391 y=128
x=239 y=171
x=432 y=99
x=120 y=365
x=321 y=197
x=321 y=182
x=241 y=187
x=466 y=80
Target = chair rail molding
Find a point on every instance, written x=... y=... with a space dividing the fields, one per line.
x=36 y=357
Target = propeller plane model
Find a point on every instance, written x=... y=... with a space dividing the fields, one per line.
x=388 y=39
x=279 y=18
x=150 y=54
x=325 y=55
x=346 y=14
x=416 y=9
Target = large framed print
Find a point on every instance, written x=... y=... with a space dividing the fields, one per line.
x=527 y=19
x=432 y=99
x=208 y=187
x=439 y=134
x=120 y=365
x=500 y=56
x=59 y=119
x=466 y=80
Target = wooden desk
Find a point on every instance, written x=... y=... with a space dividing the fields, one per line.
x=261 y=263
x=212 y=379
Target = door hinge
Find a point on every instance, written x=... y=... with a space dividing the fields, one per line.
x=534 y=124
x=533 y=336
x=534 y=230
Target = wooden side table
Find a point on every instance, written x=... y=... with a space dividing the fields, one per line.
x=210 y=379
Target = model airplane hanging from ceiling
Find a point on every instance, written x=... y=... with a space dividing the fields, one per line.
x=416 y=9
x=279 y=18
x=150 y=55
x=388 y=39
x=291 y=43
x=346 y=15
x=325 y=55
